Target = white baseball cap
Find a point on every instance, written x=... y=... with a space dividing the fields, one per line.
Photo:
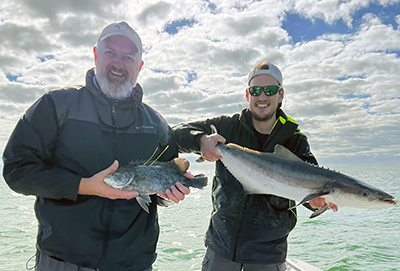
x=266 y=68
x=121 y=28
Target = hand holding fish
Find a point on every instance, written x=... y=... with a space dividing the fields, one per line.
x=97 y=187
x=207 y=147
x=321 y=203
x=178 y=191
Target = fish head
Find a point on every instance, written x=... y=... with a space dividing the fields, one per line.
x=118 y=180
x=361 y=195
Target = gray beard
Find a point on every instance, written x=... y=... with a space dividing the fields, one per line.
x=113 y=89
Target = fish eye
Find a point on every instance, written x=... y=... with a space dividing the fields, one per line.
x=366 y=194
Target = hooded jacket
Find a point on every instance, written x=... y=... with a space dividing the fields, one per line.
x=247 y=228
x=77 y=132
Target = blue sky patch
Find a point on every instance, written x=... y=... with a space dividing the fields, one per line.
x=353 y=96
x=160 y=71
x=304 y=29
x=46 y=58
x=175 y=26
x=191 y=76
x=344 y=78
x=211 y=6
x=12 y=78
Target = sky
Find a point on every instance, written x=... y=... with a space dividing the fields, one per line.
x=340 y=62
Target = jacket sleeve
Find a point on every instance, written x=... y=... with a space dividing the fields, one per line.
x=188 y=135
x=29 y=165
x=302 y=149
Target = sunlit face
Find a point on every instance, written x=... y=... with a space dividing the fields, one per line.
x=263 y=107
x=118 y=64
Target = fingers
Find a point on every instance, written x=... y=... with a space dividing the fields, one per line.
x=320 y=202
x=333 y=207
x=118 y=194
x=207 y=147
x=183 y=189
x=317 y=203
x=176 y=193
x=189 y=175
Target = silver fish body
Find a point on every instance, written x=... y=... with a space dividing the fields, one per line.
x=285 y=175
x=149 y=180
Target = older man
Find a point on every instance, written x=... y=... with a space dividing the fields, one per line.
x=69 y=140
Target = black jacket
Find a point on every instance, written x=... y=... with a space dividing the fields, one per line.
x=73 y=133
x=247 y=228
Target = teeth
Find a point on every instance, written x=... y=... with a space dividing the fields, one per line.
x=262 y=105
x=116 y=73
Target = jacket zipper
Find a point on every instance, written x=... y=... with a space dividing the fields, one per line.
x=235 y=246
x=108 y=209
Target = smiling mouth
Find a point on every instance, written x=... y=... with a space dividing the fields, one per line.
x=263 y=105
x=116 y=73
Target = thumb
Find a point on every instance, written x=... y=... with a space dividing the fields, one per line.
x=114 y=166
x=221 y=139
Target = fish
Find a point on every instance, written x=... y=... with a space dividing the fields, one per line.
x=154 y=178
x=285 y=175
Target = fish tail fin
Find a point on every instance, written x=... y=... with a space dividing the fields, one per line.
x=199 y=181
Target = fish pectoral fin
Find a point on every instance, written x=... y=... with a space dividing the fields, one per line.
x=319 y=211
x=313 y=196
x=144 y=201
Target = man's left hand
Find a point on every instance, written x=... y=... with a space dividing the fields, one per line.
x=320 y=202
x=178 y=191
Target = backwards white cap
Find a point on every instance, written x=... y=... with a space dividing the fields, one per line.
x=267 y=68
x=121 y=28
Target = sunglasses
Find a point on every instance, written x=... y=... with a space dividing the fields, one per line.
x=268 y=90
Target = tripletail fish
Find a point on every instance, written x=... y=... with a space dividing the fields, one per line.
x=151 y=179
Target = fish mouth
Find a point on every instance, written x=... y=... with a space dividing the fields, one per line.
x=390 y=201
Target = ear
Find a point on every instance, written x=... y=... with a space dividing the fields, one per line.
x=247 y=95
x=140 y=66
x=95 y=53
x=281 y=95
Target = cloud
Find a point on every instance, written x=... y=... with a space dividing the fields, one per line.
x=340 y=65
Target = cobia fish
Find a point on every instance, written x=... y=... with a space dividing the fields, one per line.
x=283 y=174
x=151 y=179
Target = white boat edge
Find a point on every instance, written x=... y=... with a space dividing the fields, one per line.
x=298 y=265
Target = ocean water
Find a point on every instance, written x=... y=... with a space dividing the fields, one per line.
x=351 y=239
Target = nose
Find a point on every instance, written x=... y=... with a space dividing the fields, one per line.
x=118 y=63
x=263 y=96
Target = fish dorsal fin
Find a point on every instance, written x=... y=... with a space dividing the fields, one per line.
x=283 y=152
x=182 y=163
x=243 y=148
x=280 y=151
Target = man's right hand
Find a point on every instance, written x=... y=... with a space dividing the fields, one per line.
x=96 y=186
x=207 y=147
